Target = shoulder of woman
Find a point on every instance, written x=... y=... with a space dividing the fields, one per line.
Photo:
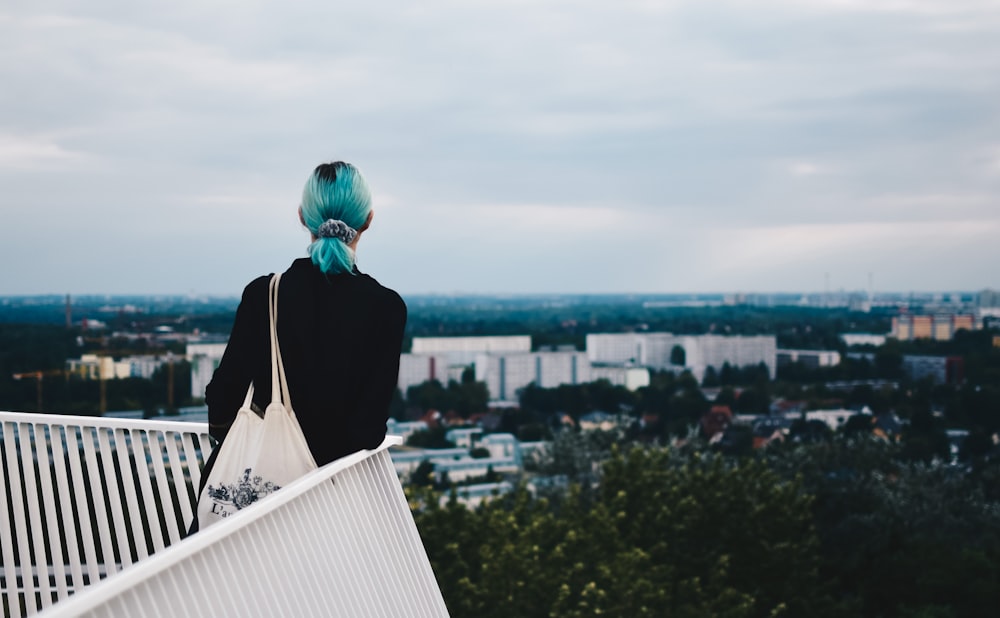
x=257 y=287
x=396 y=302
x=388 y=297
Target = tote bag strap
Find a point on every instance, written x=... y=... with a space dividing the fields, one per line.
x=249 y=398
x=279 y=385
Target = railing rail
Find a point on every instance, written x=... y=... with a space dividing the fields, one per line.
x=338 y=542
x=84 y=497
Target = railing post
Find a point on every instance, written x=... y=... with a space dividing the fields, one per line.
x=340 y=541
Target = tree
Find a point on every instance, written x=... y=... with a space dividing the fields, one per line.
x=430 y=438
x=752 y=401
x=889 y=360
x=397 y=407
x=924 y=439
x=726 y=397
x=898 y=538
x=859 y=424
x=686 y=408
x=809 y=431
x=678 y=357
x=710 y=518
x=976 y=447
x=575 y=399
x=575 y=454
x=727 y=375
x=533 y=432
x=666 y=534
x=469 y=396
x=423 y=474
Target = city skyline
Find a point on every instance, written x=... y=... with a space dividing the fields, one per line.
x=641 y=147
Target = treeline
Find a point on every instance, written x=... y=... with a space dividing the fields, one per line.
x=29 y=349
x=980 y=359
x=672 y=403
x=839 y=528
x=73 y=395
x=122 y=311
x=550 y=321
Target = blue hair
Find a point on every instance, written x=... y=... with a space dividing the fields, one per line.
x=335 y=191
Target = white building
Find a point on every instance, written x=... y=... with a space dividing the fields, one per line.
x=204 y=359
x=404 y=429
x=464 y=437
x=834 y=419
x=464 y=350
x=505 y=457
x=640 y=349
x=502 y=446
x=145 y=366
x=699 y=352
x=940 y=369
x=469 y=467
x=415 y=369
x=987 y=312
x=505 y=374
x=474 y=495
x=445 y=358
x=406 y=459
x=812 y=359
x=632 y=378
x=94 y=367
x=706 y=351
x=852 y=339
x=458 y=463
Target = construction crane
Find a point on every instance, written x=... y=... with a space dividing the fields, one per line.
x=103 y=375
x=38 y=377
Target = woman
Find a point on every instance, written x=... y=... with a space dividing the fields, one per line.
x=340 y=331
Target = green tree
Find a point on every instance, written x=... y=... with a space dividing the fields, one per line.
x=753 y=400
x=423 y=474
x=665 y=534
x=430 y=438
x=899 y=538
x=575 y=455
x=678 y=357
x=924 y=439
x=726 y=397
x=889 y=360
x=736 y=522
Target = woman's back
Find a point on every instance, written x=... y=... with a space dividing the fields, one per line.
x=339 y=330
x=340 y=343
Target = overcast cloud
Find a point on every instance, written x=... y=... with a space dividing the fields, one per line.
x=513 y=146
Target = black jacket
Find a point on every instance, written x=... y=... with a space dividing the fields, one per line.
x=340 y=338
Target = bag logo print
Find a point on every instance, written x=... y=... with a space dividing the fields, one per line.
x=243 y=493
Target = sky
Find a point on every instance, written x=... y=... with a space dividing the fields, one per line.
x=512 y=146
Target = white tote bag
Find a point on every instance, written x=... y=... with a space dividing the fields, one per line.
x=258 y=456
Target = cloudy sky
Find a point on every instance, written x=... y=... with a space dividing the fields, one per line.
x=513 y=146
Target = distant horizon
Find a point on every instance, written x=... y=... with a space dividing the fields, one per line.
x=56 y=296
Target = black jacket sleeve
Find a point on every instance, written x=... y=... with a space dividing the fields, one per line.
x=247 y=346
x=381 y=381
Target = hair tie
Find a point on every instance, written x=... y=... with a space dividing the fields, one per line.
x=335 y=228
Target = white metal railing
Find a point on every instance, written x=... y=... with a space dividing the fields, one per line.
x=338 y=542
x=85 y=497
